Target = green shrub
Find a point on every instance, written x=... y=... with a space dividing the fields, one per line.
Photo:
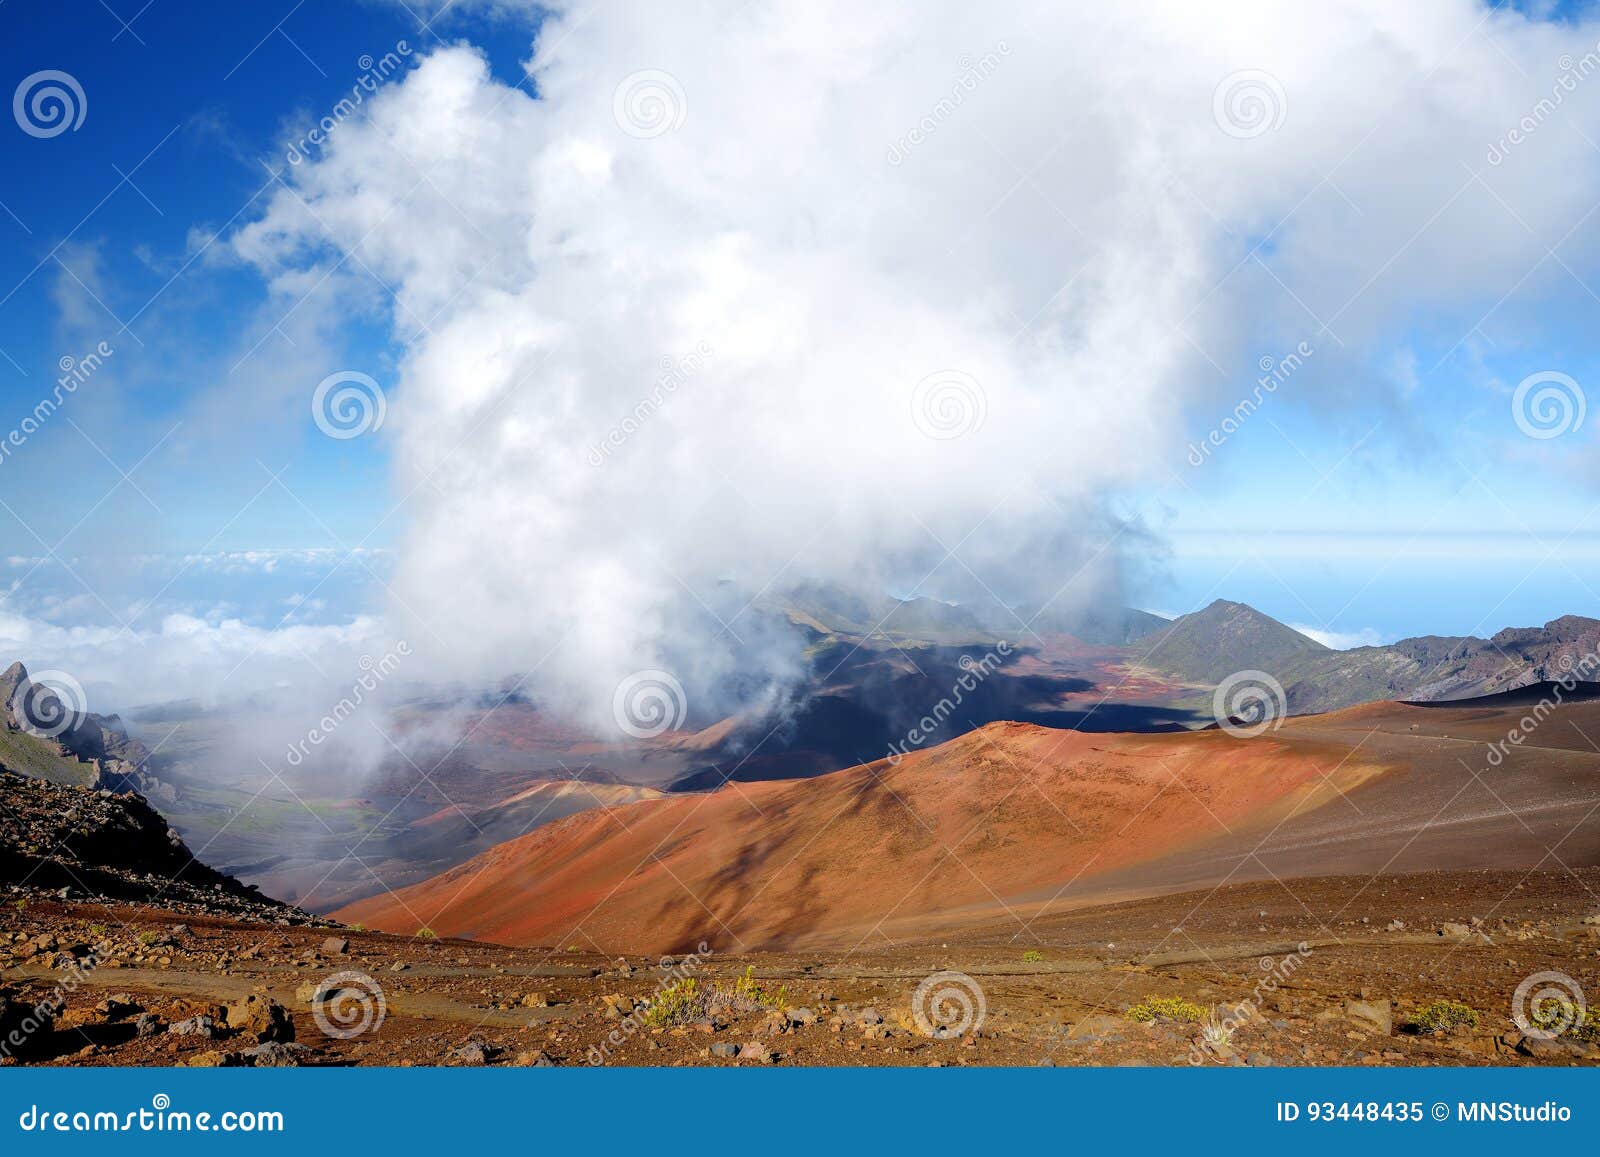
x=1444 y=1014
x=1166 y=1008
x=1032 y=956
x=680 y=1002
x=426 y=933
x=749 y=989
x=1564 y=1018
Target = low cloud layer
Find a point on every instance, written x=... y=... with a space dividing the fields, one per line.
x=897 y=298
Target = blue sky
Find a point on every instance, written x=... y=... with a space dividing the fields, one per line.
x=1383 y=490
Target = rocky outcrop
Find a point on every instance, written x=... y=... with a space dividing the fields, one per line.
x=95 y=842
x=120 y=761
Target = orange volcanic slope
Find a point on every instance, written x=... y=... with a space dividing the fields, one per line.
x=1003 y=811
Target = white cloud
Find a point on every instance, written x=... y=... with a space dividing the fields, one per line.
x=1340 y=640
x=1073 y=237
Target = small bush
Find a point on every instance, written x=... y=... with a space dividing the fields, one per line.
x=1216 y=1031
x=426 y=933
x=1166 y=1008
x=1032 y=956
x=1444 y=1014
x=747 y=988
x=358 y=927
x=147 y=937
x=680 y=1002
x=1552 y=1015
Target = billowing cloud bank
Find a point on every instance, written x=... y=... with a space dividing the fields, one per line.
x=892 y=296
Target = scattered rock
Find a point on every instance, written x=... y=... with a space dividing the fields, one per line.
x=201 y=1026
x=476 y=1052
x=212 y=1059
x=260 y=1017
x=336 y=946
x=1375 y=1016
x=275 y=1055
x=725 y=1049
x=538 y=1059
x=756 y=1051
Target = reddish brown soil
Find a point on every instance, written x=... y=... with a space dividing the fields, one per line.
x=1002 y=812
x=1018 y=821
x=1064 y=1003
